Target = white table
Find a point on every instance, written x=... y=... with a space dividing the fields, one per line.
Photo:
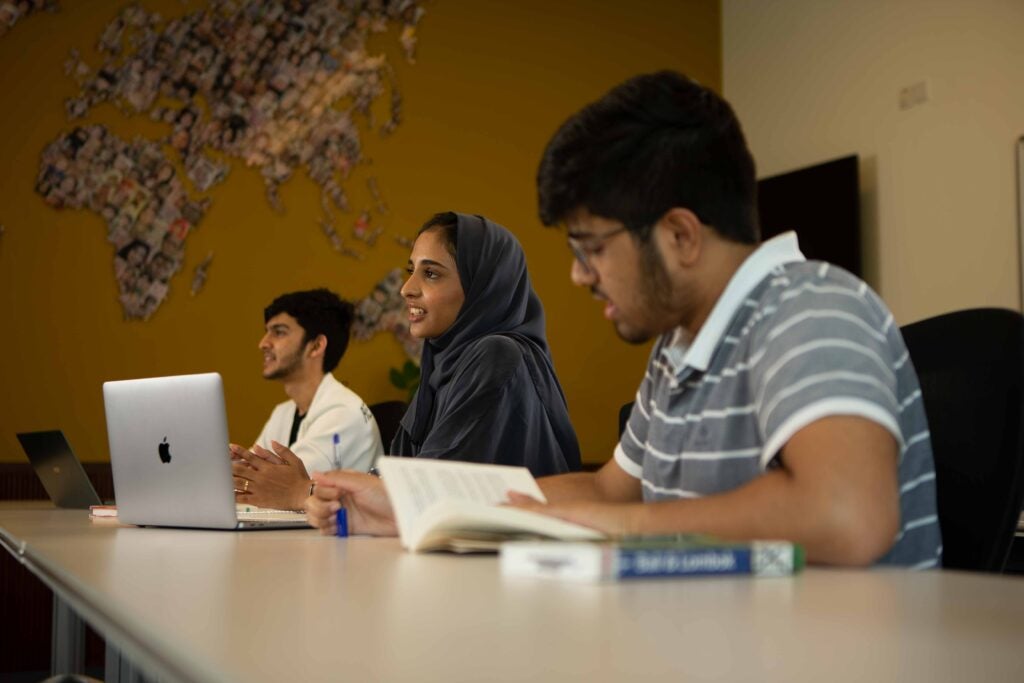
x=291 y=605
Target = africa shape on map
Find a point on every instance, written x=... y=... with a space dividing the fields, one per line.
x=260 y=82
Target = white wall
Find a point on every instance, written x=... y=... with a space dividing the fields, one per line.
x=815 y=79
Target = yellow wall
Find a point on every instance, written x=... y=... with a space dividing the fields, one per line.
x=492 y=81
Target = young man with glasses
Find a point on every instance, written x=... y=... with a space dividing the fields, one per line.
x=778 y=402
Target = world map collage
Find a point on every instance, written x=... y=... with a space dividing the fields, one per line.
x=276 y=86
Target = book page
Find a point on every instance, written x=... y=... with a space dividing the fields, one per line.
x=415 y=485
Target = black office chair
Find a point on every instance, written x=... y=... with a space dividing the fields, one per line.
x=388 y=414
x=971 y=367
x=624 y=412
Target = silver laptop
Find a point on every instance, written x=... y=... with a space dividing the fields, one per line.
x=58 y=469
x=169 y=455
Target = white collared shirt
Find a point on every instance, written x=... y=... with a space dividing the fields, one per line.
x=777 y=251
x=338 y=432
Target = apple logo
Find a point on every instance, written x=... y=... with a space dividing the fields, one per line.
x=165 y=450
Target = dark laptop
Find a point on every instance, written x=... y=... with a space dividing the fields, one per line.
x=58 y=469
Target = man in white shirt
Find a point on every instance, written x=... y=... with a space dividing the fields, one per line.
x=324 y=424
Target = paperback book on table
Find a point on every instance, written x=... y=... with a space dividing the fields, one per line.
x=649 y=556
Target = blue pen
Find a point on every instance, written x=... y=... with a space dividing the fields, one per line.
x=341 y=517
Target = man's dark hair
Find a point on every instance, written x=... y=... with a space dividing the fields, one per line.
x=655 y=142
x=447 y=224
x=318 y=311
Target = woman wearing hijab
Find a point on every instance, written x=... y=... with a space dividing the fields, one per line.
x=488 y=391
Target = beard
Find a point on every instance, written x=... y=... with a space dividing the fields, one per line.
x=285 y=367
x=654 y=298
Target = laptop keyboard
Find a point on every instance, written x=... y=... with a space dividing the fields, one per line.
x=251 y=513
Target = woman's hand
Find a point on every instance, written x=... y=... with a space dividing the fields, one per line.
x=362 y=495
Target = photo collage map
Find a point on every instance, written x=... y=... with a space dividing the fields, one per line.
x=273 y=85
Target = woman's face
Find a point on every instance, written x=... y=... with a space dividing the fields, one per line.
x=433 y=292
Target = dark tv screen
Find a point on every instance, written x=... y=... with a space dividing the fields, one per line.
x=822 y=204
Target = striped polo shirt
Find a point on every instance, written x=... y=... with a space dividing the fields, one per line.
x=790 y=341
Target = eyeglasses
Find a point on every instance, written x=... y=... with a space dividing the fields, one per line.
x=585 y=247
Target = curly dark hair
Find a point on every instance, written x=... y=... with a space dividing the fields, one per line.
x=655 y=142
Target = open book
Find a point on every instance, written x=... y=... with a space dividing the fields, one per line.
x=447 y=505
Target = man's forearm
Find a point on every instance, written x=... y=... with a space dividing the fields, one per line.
x=572 y=486
x=836 y=492
x=608 y=485
x=774 y=506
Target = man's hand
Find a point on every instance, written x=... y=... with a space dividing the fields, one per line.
x=269 y=479
x=362 y=495
x=613 y=519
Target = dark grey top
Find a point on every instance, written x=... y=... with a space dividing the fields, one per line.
x=488 y=391
x=490 y=412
